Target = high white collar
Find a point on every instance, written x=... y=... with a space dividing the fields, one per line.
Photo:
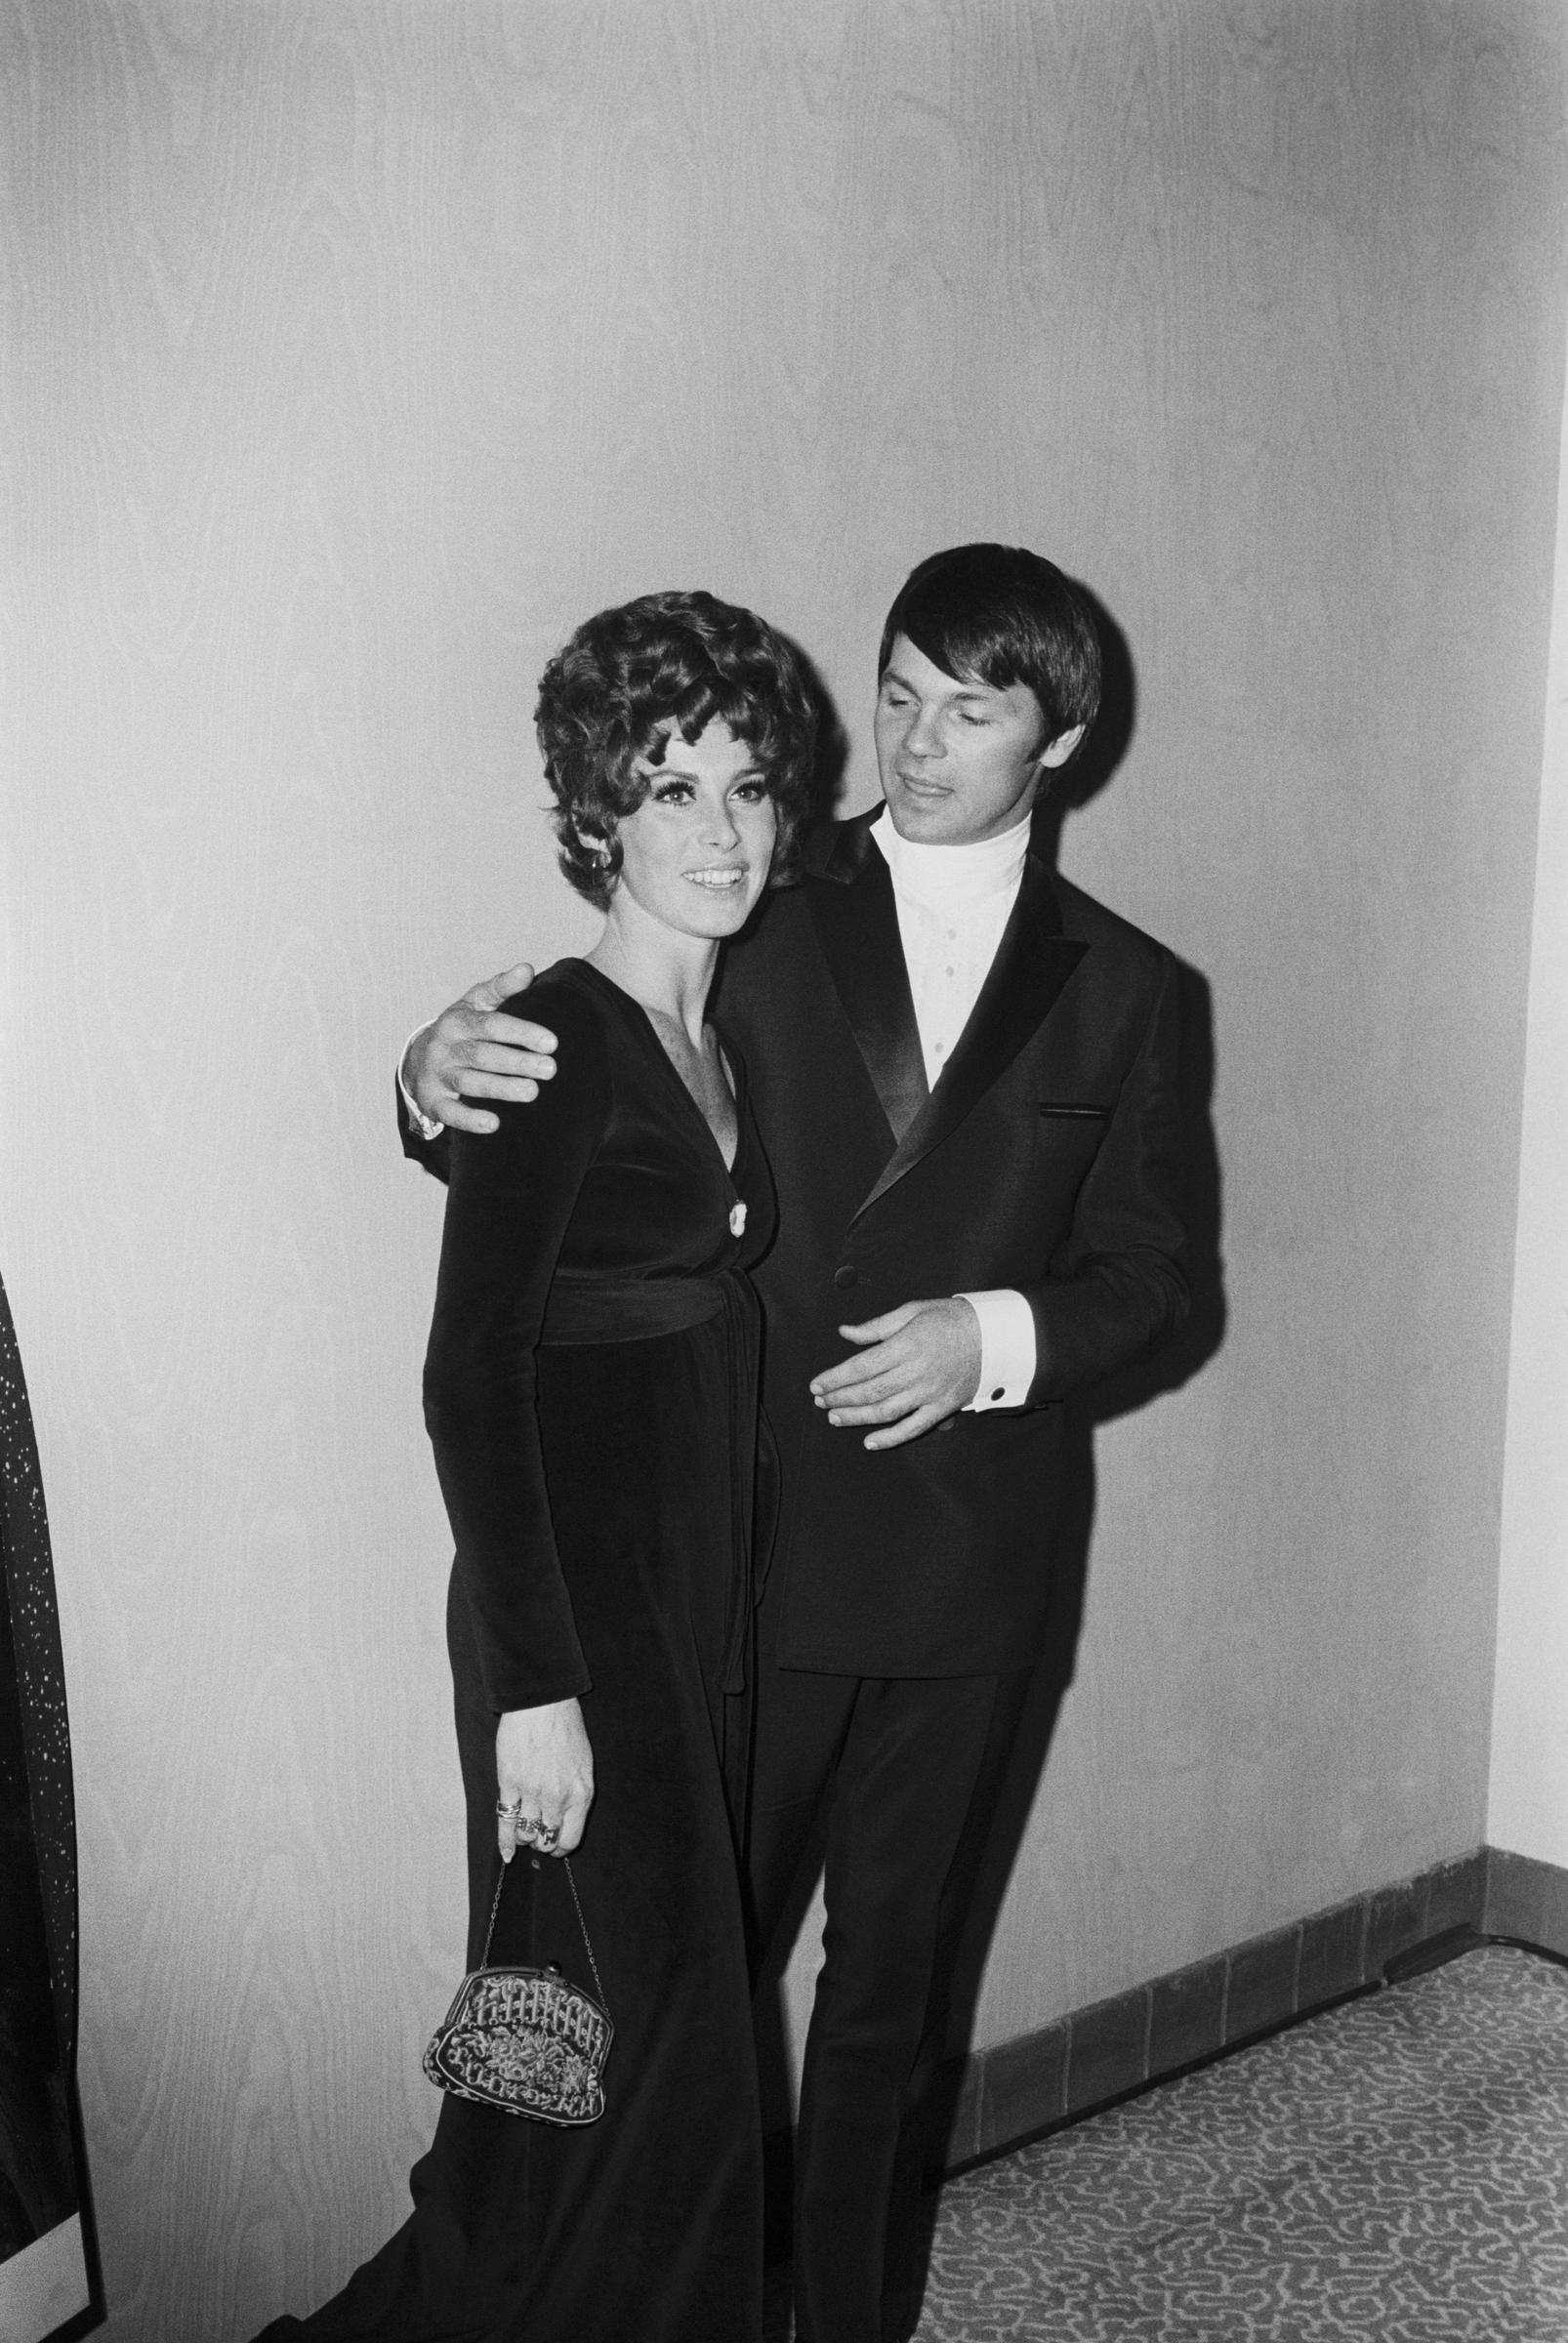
x=953 y=878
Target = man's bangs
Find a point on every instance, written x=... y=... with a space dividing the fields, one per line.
x=967 y=648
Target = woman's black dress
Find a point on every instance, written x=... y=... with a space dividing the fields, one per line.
x=591 y=1391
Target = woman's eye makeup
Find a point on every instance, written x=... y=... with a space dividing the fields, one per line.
x=676 y=792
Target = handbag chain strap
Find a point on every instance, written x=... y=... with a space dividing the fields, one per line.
x=495 y=1906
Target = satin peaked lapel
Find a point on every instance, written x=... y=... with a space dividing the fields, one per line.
x=856 y=922
x=1033 y=961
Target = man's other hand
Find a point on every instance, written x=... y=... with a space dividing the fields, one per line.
x=473 y=1050
x=917 y=1366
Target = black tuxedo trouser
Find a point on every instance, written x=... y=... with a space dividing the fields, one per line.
x=909 y=1769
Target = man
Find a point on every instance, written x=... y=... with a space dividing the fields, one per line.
x=964 y=1072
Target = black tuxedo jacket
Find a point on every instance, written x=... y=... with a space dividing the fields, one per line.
x=1045 y=1159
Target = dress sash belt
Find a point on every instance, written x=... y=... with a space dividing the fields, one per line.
x=628 y=1309
x=599 y=1309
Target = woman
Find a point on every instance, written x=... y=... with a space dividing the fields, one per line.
x=591 y=1394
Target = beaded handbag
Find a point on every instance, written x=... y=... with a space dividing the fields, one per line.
x=527 y=2041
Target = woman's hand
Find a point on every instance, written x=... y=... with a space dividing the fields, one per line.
x=542 y=1756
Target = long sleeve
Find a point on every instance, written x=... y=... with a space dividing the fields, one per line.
x=510 y=1199
x=1118 y=1284
x=1008 y=1351
x=432 y=1154
x=422 y=1125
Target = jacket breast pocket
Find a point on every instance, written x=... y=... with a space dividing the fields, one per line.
x=1072 y=1110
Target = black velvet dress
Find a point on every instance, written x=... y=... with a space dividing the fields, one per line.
x=591 y=1391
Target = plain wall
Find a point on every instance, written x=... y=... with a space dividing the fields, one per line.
x=1528 y=1788
x=350 y=354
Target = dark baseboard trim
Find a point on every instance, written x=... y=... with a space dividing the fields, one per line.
x=1017 y=2089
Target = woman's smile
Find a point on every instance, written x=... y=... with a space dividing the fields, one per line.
x=705 y=829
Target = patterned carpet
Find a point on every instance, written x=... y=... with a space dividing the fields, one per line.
x=1395 y=2169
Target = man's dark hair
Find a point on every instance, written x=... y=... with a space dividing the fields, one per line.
x=999 y=614
x=684 y=659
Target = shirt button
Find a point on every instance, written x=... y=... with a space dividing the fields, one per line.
x=846 y=1277
x=1000 y=1392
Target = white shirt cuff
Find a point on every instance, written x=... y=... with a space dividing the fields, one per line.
x=1007 y=1349
x=426 y=1125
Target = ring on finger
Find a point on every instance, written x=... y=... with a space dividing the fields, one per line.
x=509 y=1814
x=544 y=1834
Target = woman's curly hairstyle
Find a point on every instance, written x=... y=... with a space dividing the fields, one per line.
x=685 y=659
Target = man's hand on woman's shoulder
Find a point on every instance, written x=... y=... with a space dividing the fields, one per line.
x=474 y=1051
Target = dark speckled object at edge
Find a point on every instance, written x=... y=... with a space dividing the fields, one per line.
x=37 y=1844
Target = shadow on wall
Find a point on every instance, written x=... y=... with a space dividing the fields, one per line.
x=832 y=740
x=1181 y=1358
x=1189 y=1350
x=1198 y=1339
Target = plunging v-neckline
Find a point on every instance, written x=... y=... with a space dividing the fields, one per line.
x=731 y=1076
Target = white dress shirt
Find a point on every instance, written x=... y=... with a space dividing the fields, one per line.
x=953 y=903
